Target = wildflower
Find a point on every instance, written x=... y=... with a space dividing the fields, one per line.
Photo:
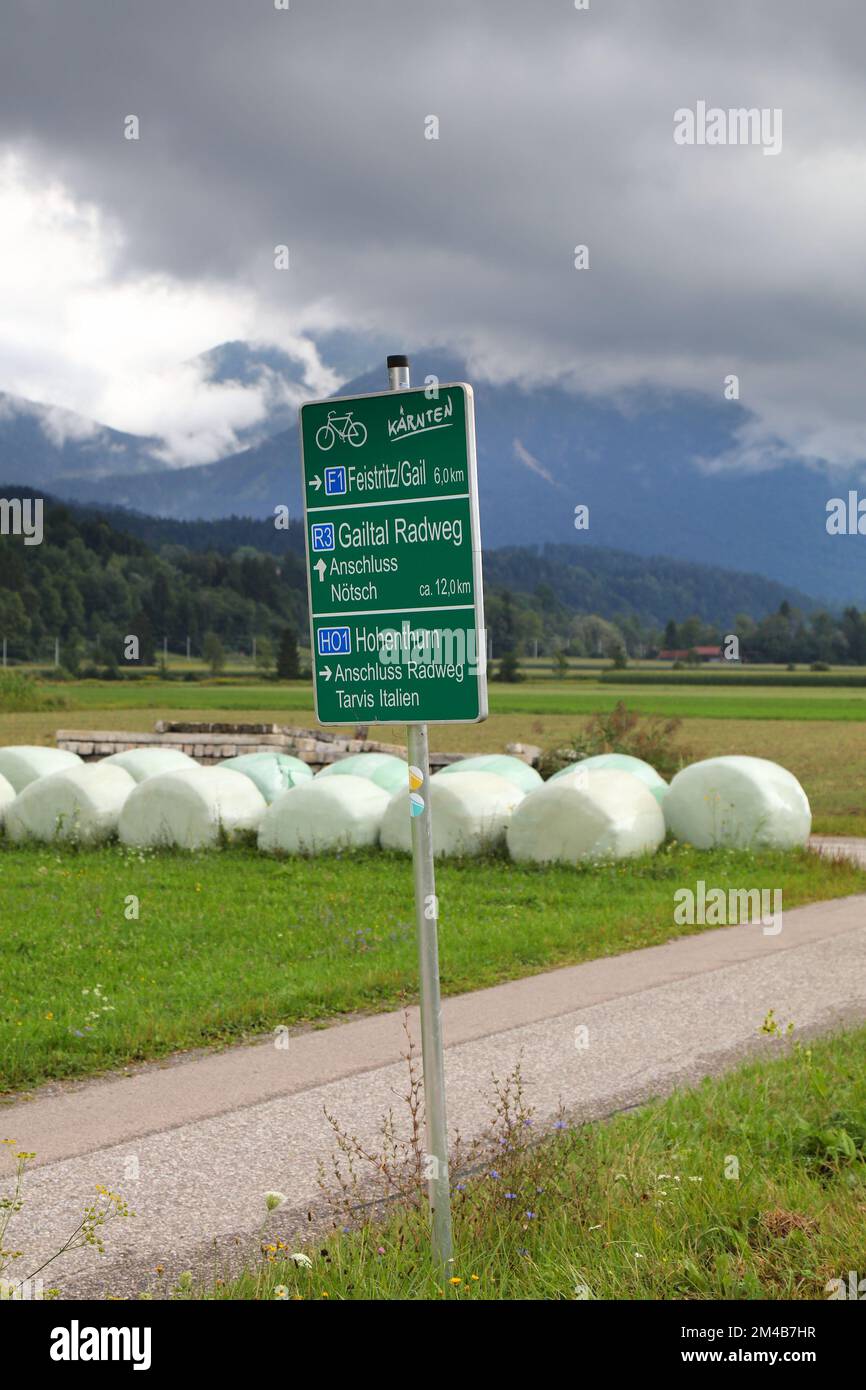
x=274 y=1200
x=455 y=1280
x=381 y=1250
x=494 y=1174
x=511 y=1196
x=303 y=1261
x=530 y=1216
x=281 y=1291
x=474 y=1278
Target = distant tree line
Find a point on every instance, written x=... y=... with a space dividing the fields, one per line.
x=92 y=583
x=93 y=586
x=785 y=636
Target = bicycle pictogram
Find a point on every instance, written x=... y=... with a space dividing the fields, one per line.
x=341 y=427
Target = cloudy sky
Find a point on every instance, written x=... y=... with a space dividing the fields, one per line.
x=120 y=260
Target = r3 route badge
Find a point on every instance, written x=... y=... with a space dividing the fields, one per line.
x=394 y=557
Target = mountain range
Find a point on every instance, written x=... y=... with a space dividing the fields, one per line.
x=638 y=464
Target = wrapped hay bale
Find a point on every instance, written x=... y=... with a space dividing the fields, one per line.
x=384 y=769
x=502 y=764
x=619 y=762
x=738 y=801
x=324 y=814
x=599 y=814
x=7 y=796
x=273 y=773
x=148 y=762
x=190 y=808
x=470 y=814
x=21 y=764
x=81 y=803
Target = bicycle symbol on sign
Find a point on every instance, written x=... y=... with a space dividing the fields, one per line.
x=341 y=427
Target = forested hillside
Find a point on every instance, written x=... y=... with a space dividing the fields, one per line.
x=98 y=577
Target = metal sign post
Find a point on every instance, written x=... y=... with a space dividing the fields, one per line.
x=427 y=934
x=397 y=626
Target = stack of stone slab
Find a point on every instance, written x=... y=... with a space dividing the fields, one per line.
x=213 y=743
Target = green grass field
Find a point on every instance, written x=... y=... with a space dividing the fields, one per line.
x=749 y=1187
x=535 y=697
x=230 y=944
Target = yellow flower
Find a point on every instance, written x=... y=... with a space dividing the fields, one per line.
x=49 y=1014
x=455 y=1280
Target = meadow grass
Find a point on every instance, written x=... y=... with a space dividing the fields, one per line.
x=752 y=1186
x=531 y=697
x=228 y=944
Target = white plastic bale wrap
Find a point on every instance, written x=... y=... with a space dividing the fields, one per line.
x=586 y=816
x=148 y=762
x=384 y=769
x=325 y=814
x=619 y=762
x=502 y=764
x=740 y=802
x=82 y=803
x=470 y=814
x=7 y=796
x=273 y=773
x=21 y=764
x=191 y=808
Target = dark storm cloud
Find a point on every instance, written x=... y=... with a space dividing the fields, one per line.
x=306 y=127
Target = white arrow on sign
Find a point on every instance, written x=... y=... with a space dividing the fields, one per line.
x=326 y=673
x=315 y=482
x=320 y=568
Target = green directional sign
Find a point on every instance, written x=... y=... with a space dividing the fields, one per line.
x=394 y=557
